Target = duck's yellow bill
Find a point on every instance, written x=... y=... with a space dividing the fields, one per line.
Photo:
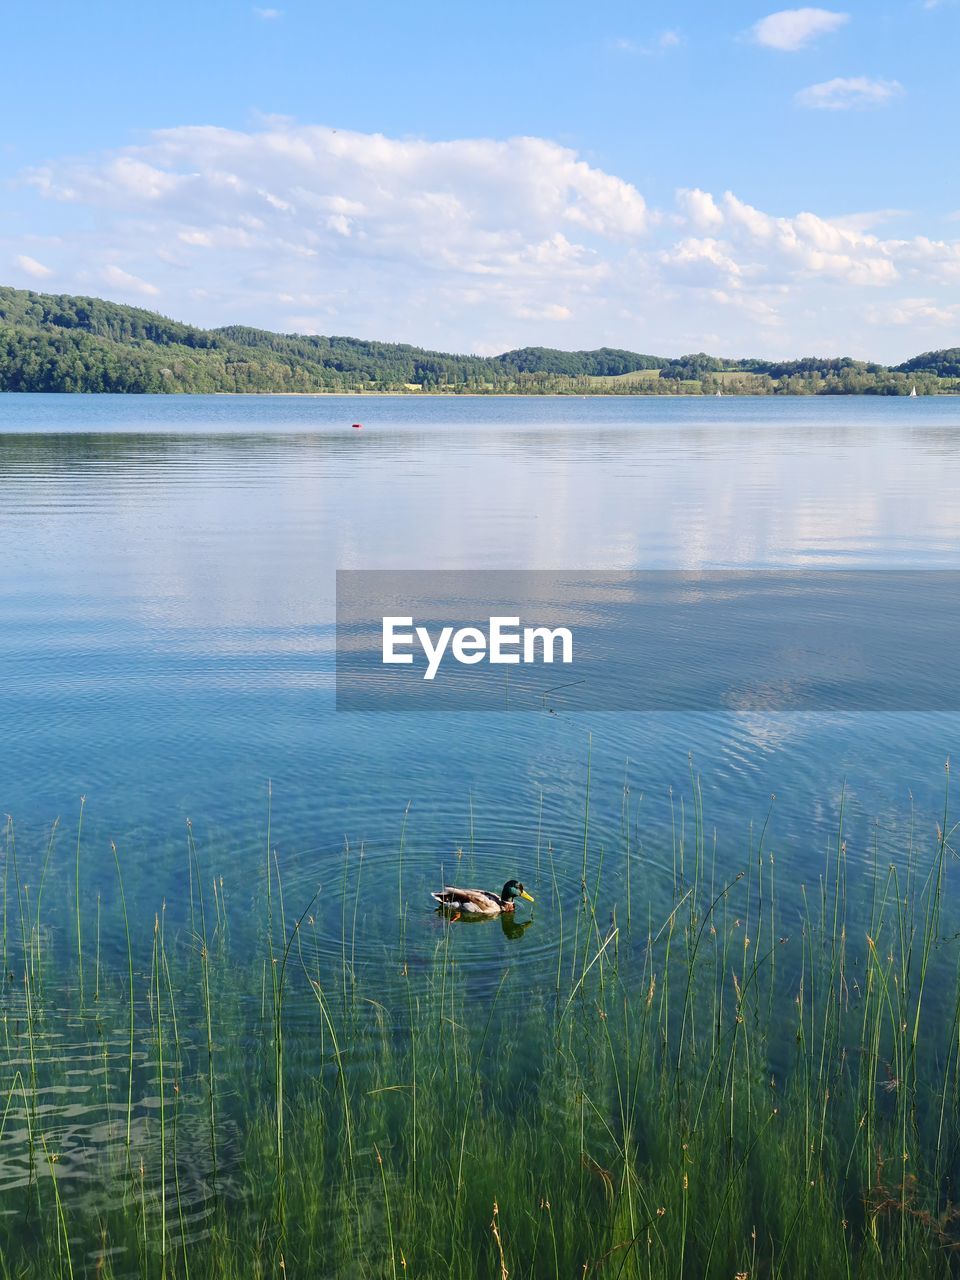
x=524 y=894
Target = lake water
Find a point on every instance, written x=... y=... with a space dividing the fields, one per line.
x=167 y=591
x=167 y=580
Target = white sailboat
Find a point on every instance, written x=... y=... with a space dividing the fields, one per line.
x=719 y=392
x=913 y=392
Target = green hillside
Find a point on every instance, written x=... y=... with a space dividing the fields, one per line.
x=944 y=364
x=61 y=343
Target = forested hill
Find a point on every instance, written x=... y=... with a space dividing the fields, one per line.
x=62 y=343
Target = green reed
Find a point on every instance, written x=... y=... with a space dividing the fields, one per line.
x=161 y=1107
x=207 y=1003
x=676 y=1099
x=77 y=900
x=178 y=1062
x=8 y=836
x=131 y=997
x=43 y=876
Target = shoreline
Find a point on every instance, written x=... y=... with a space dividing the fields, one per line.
x=489 y=395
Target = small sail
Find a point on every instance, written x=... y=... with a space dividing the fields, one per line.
x=719 y=392
x=913 y=391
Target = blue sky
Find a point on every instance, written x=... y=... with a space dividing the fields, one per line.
x=665 y=177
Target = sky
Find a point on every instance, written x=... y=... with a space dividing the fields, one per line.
x=662 y=177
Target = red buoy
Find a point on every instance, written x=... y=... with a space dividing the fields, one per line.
x=358 y=426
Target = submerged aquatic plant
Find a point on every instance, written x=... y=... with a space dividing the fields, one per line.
x=732 y=1088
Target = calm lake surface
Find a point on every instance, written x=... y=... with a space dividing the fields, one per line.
x=167 y=588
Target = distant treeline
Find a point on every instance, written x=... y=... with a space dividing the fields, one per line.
x=62 y=343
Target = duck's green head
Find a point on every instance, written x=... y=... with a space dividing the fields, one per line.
x=514 y=889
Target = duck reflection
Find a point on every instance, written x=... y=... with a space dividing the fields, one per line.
x=511 y=926
x=514 y=928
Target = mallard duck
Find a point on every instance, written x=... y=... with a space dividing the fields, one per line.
x=481 y=902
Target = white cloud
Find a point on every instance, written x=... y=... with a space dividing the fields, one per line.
x=394 y=184
x=917 y=313
x=935 y=259
x=268 y=15
x=464 y=244
x=759 y=225
x=668 y=39
x=844 y=92
x=127 y=282
x=550 y=311
x=868 y=219
x=759 y=310
x=821 y=247
x=793 y=29
x=701 y=260
x=700 y=207
x=32 y=267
